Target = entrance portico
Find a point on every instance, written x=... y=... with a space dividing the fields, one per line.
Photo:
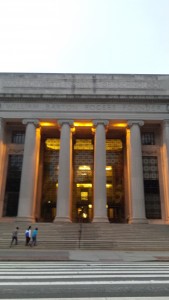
x=91 y=157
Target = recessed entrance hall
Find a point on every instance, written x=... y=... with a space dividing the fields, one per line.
x=82 y=202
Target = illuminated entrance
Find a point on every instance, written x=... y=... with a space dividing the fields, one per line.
x=82 y=179
x=115 y=180
x=83 y=168
x=50 y=150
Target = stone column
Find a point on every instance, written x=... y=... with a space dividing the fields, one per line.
x=135 y=173
x=2 y=162
x=165 y=166
x=100 y=197
x=64 y=194
x=29 y=174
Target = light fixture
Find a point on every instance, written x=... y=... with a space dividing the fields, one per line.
x=84 y=168
x=122 y=125
x=83 y=124
x=53 y=144
x=47 y=124
x=84 y=215
x=84 y=185
x=83 y=144
x=108 y=168
x=108 y=185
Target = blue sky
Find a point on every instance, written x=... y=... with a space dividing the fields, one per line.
x=84 y=36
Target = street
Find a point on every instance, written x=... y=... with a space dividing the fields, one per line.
x=27 y=280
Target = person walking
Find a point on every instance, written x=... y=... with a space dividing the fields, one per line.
x=14 y=237
x=34 y=237
x=28 y=236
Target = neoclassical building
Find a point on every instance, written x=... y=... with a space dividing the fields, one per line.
x=84 y=147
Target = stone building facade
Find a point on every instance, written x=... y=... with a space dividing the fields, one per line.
x=84 y=147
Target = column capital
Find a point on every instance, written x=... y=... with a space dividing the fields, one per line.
x=64 y=121
x=130 y=123
x=33 y=121
x=103 y=122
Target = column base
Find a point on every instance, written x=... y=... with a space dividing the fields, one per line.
x=100 y=220
x=138 y=221
x=62 y=220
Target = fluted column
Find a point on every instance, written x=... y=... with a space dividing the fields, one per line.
x=135 y=173
x=64 y=194
x=100 y=197
x=2 y=161
x=165 y=166
x=29 y=174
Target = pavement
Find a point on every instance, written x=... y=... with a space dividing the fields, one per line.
x=35 y=254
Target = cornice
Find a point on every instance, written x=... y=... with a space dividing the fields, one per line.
x=82 y=98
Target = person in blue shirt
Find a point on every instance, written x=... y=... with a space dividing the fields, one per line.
x=34 y=237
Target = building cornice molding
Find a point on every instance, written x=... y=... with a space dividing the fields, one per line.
x=74 y=98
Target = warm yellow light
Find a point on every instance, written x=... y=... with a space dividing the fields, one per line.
x=82 y=144
x=53 y=144
x=90 y=206
x=114 y=145
x=119 y=125
x=47 y=124
x=108 y=168
x=84 y=215
x=84 y=185
x=86 y=168
x=83 y=124
x=73 y=129
x=107 y=206
x=108 y=185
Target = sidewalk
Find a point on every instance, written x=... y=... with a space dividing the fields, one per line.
x=34 y=254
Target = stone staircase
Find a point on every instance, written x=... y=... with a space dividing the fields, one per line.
x=91 y=236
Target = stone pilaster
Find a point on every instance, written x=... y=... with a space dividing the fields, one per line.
x=29 y=171
x=64 y=194
x=100 y=197
x=135 y=173
x=165 y=166
x=2 y=161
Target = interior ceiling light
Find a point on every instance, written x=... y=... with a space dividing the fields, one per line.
x=122 y=125
x=53 y=144
x=83 y=124
x=86 y=168
x=47 y=124
x=108 y=185
x=108 y=168
x=84 y=185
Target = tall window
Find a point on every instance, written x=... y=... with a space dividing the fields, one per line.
x=13 y=185
x=151 y=187
x=148 y=138
x=18 y=137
